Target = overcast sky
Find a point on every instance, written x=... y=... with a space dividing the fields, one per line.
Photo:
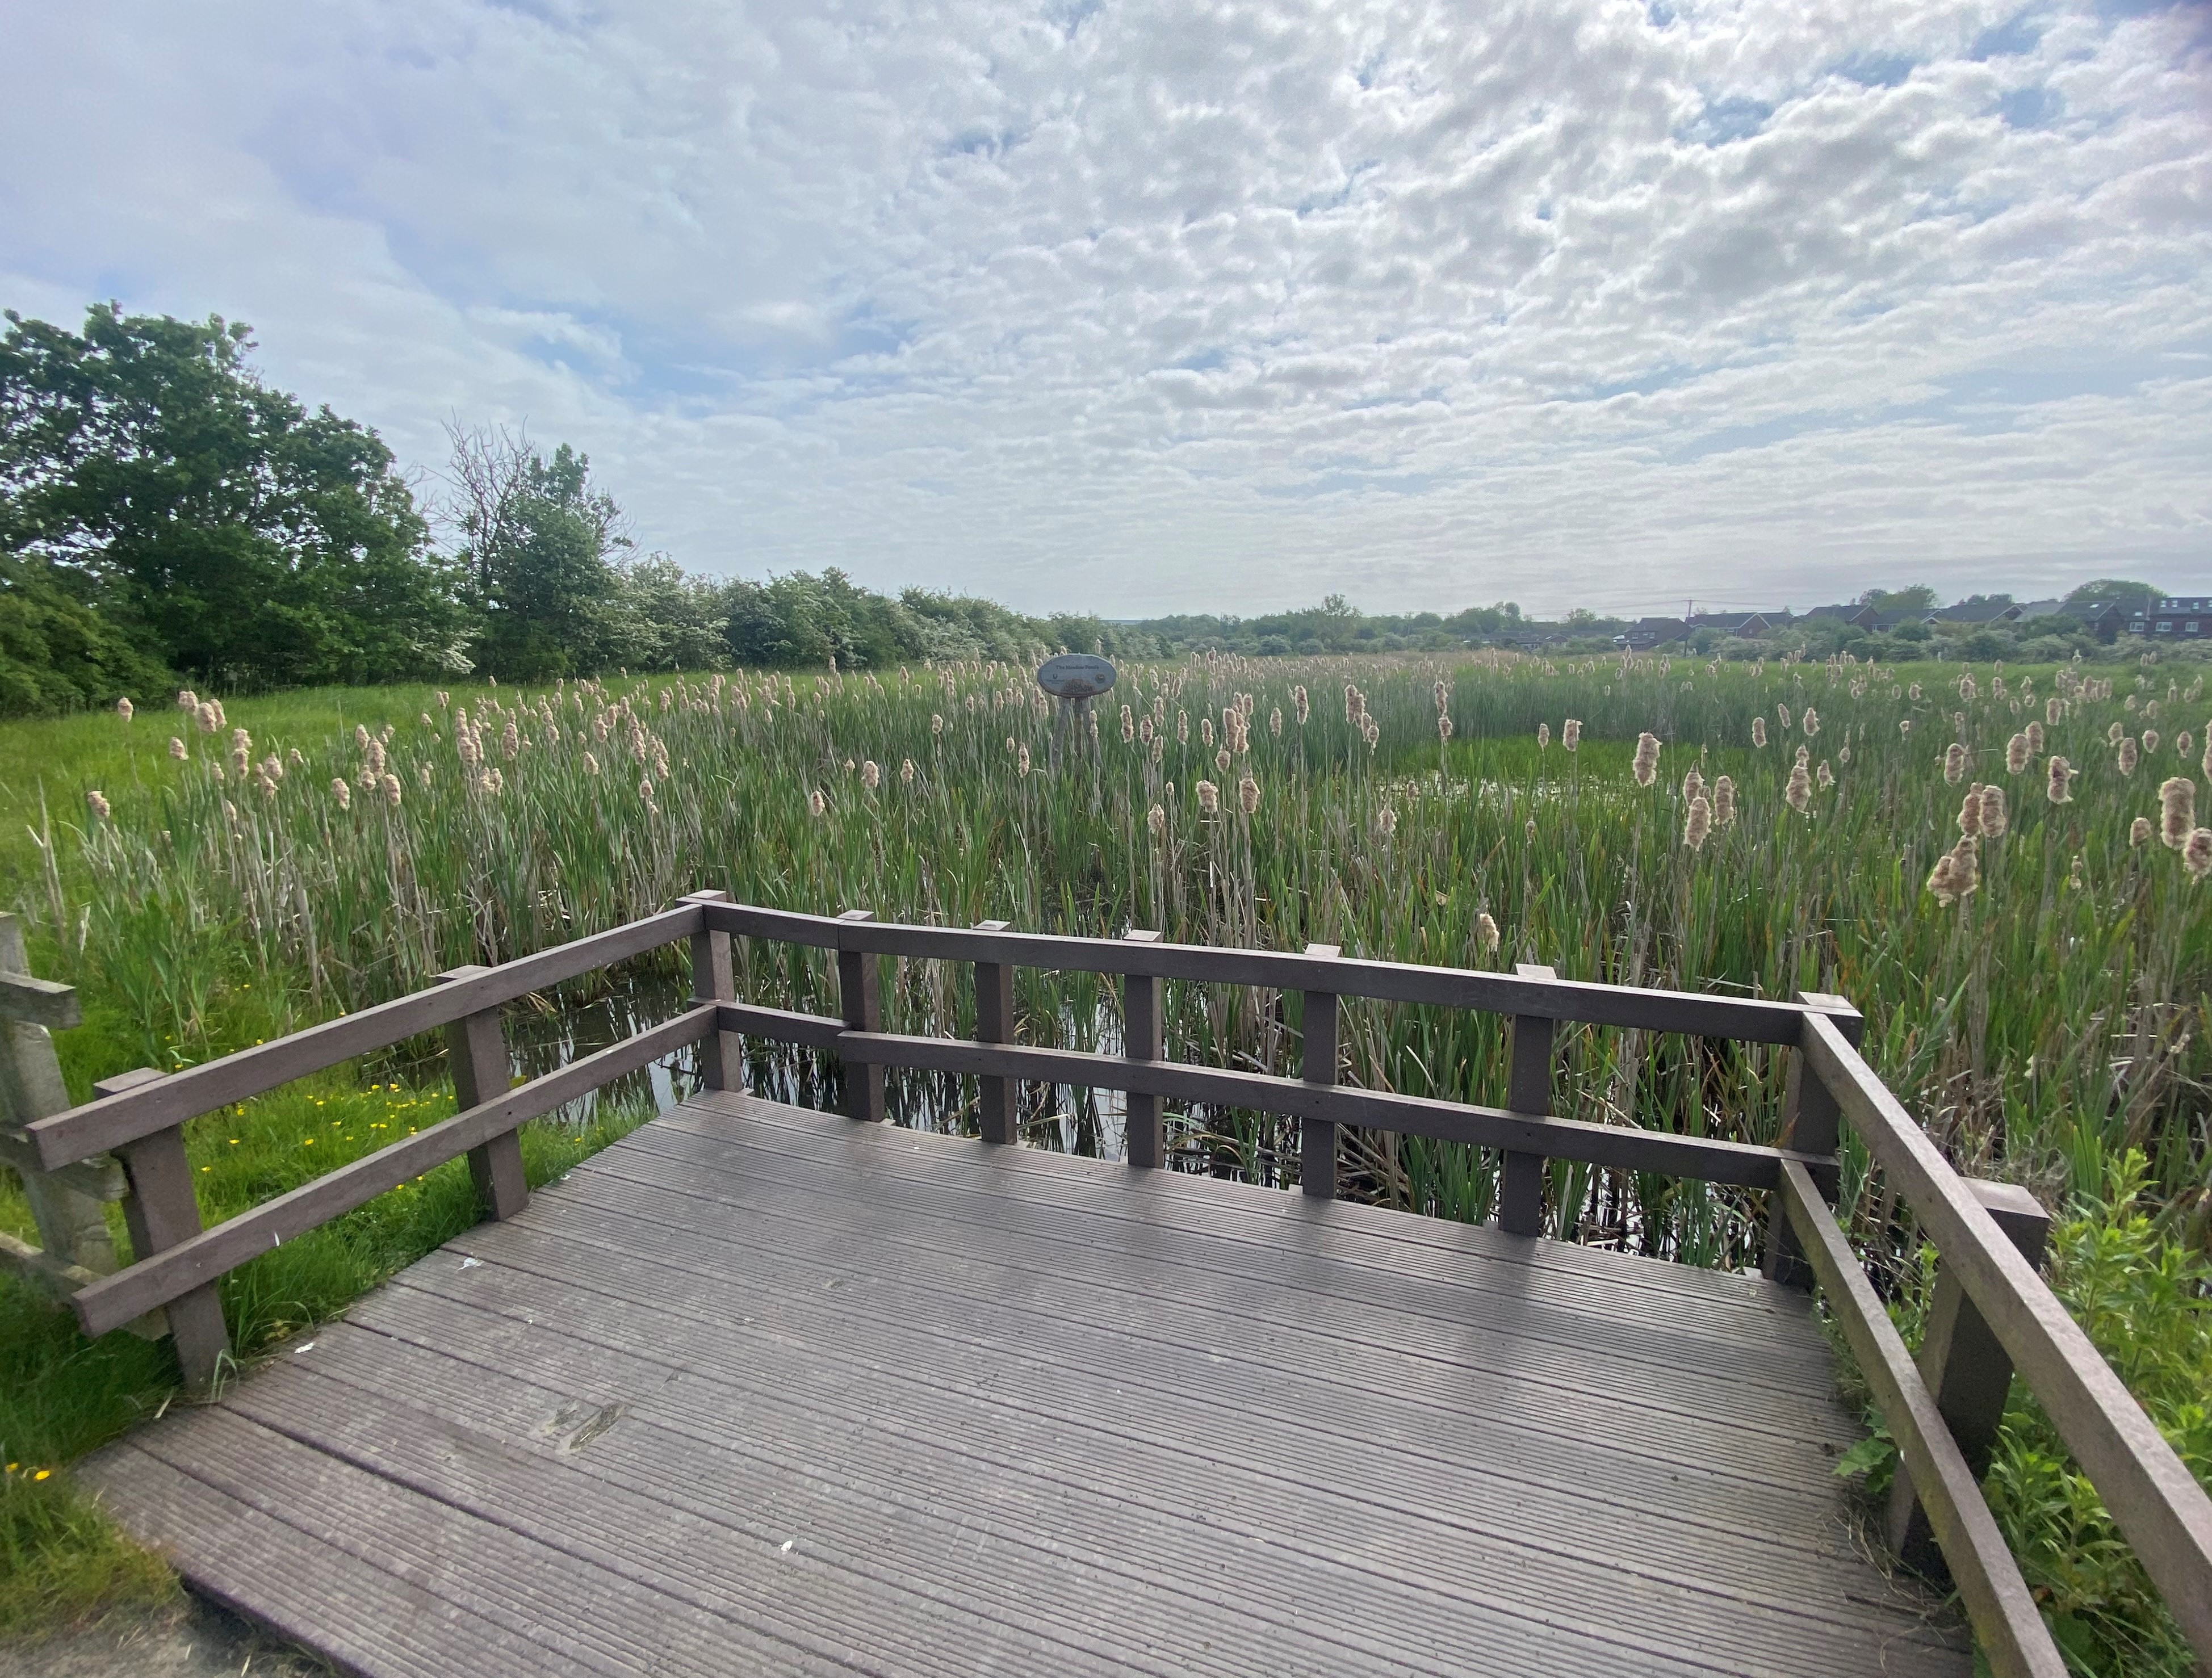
x=1185 y=305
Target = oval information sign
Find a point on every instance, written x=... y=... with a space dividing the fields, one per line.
x=1075 y=676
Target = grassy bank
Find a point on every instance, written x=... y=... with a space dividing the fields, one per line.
x=2049 y=1024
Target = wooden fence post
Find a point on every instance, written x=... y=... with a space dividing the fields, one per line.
x=998 y=1099
x=1810 y=1121
x=161 y=1211
x=476 y=1047
x=1966 y=1368
x=1143 y=1036
x=1317 y=1057
x=860 y=999
x=1528 y=1090
x=66 y=1206
x=714 y=980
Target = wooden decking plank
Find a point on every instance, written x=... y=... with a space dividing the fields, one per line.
x=580 y=1618
x=350 y=1610
x=702 y=1458
x=1282 y=1240
x=1143 y=1298
x=642 y=1323
x=1582 y=1278
x=623 y=1490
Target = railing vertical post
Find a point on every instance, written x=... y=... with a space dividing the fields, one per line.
x=161 y=1211
x=475 y=1047
x=714 y=979
x=998 y=1099
x=859 y=998
x=1810 y=1126
x=1143 y=1036
x=1968 y=1372
x=1317 y=1057
x=1528 y=1090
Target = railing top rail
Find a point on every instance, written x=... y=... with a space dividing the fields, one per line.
x=112 y=1121
x=1743 y=1018
x=2157 y=1503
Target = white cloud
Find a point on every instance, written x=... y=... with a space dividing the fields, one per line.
x=1180 y=305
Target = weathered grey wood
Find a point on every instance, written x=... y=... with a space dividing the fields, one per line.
x=1317 y=1053
x=40 y=1002
x=178 y=1270
x=1520 y=1174
x=1746 y=1019
x=1966 y=1371
x=1144 y=1037
x=1997 y=1600
x=781 y=1025
x=860 y=999
x=999 y=1099
x=2156 y=1502
x=101 y=1125
x=476 y=1050
x=162 y=1213
x=66 y=1206
x=1810 y=1121
x=1619 y=1146
x=714 y=979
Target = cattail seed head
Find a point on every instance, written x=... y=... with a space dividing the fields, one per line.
x=2059 y=790
x=1995 y=818
x=1221 y=761
x=2034 y=732
x=2183 y=743
x=2017 y=752
x=1799 y=793
x=341 y=790
x=906 y=771
x=1543 y=737
x=2128 y=757
x=123 y=708
x=1955 y=764
x=1844 y=754
x=1571 y=732
x=1209 y=797
x=1247 y=794
x=1804 y=757
x=2197 y=854
x=1970 y=811
x=1967 y=688
x=1905 y=727
x=1386 y=820
x=816 y=804
x=1128 y=725
x=1529 y=829
x=1758 y=732
x=871 y=776
x=2112 y=734
x=1205 y=731
x=2177 y=801
x=1939 y=881
x=1485 y=934
x=2149 y=741
x=1782 y=715
x=1443 y=726
x=1299 y=703
x=97 y=803
x=391 y=786
x=1824 y=777
x=1275 y=722
x=1699 y=824
x=1021 y=760
x=1724 y=801
x=1155 y=819
x=1646 y=764
x=2139 y=830
x=1966 y=867
x=187 y=700
x=1810 y=724
x=176 y=749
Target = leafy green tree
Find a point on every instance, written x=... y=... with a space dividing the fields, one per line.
x=1919 y=597
x=2113 y=590
x=214 y=525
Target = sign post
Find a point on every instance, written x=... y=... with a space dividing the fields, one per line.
x=1074 y=680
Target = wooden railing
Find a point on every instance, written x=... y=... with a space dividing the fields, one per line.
x=1992 y=1313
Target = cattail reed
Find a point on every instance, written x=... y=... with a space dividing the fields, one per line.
x=1543 y=737
x=1646 y=765
x=2177 y=813
x=1247 y=794
x=2060 y=791
x=1970 y=811
x=2017 y=753
x=1299 y=703
x=1570 y=733
x=1995 y=818
x=1810 y=724
x=1386 y=820
x=1693 y=786
x=2113 y=734
x=1699 y=824
x=1275 y=722
x=1724 y=801
x=1824 y=777
x=1221 y=761
x=2197 y=854
x=1799 y=793
x=1444 y=726
x=1209 y=797
x=2139 y=830
x=1905 y=727
x=1758 y=732
x=1485 y=934
x=342 y=791
x=97 y=803
x=1155 y=819
x=1954 y=762
x=392 y=790
x=816 y=804
x=2149 y=741
x=176 y=749
x=2128 y=756
x=871 y=776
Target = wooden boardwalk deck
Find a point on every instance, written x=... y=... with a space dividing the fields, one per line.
x=762 y=1389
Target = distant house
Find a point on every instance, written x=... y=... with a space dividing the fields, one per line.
x=2174 y=617
x=1646 y=633
x=2032 y=609
x=2105 y=622
x=1976 y=615
x=1749 y=624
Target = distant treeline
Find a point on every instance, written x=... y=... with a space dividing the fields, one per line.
x=166 y=518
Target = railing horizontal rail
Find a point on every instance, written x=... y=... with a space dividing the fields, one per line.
x=1616 y=1145
x=783 y=1025
x=1996 y=1598
x=98 y=1127
x=2153 y=1496
x=115 y=1300
x=1746 y=1019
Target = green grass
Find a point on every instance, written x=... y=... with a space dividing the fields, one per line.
x=2055 y=1021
